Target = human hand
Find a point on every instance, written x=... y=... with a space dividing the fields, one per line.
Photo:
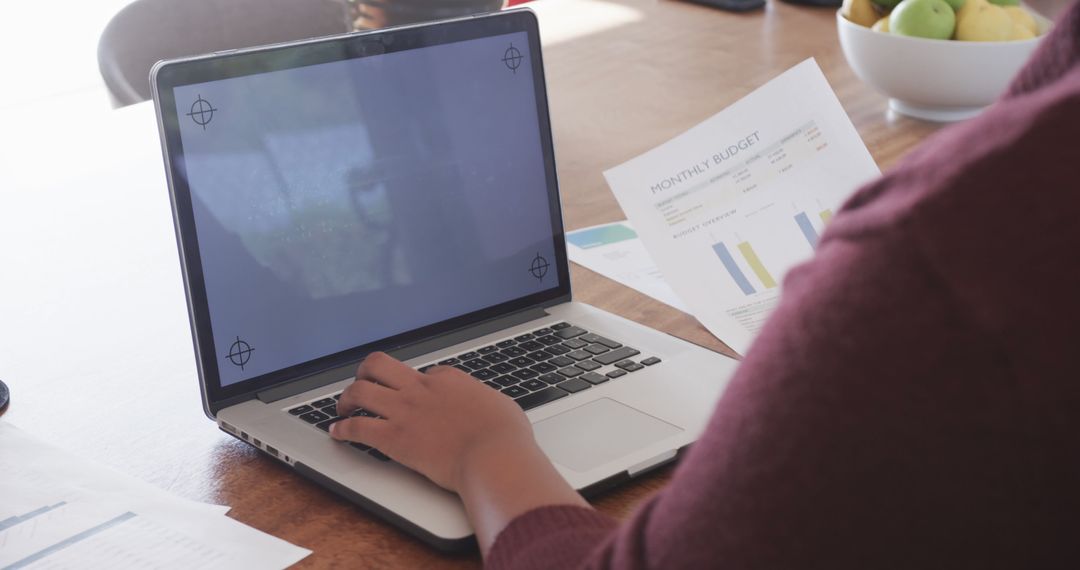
x=437 y=423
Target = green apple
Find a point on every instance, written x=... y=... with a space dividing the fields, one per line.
x=1006 y=2
x=886 y=5
x=932 y=19
x=957 y=4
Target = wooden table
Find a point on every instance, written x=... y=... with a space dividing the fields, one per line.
x=94 y=338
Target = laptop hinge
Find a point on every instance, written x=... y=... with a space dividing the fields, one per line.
x=289 y=389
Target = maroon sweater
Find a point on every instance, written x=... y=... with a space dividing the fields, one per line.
x=914 y=402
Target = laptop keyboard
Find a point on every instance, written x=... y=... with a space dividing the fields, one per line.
x=534 y=369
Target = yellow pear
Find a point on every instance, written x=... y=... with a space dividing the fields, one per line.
x=859 y=11
x=882 y=25
x=981 y=21
x=1022 y=17
x=1020 y=33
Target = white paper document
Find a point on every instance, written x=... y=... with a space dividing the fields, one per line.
x=728 y=207
x=614 y=251
x=59 y=512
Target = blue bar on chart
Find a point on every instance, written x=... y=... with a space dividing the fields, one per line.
x=807 y=229
x=736 y=273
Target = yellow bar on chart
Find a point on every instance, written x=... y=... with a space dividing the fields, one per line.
x=826 y=215
x=755 y=263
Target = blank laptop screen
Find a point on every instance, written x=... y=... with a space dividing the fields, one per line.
x=346 y=202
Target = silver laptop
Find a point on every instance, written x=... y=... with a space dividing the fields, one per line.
x=396 y=191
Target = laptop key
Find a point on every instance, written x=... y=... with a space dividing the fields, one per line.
x=330 y=410
x=560 y=326
x=553 y=378
x=533 y=385
x=542 y=332
x=629 y=365
x=469 y=355
x=596 y=349
x=521 y=361
x=608 y=342
x=538 y=355
x=544 y=367
x=314 y=417
x=515 y=391
x=575 y=385
x=525 y=374
x=476 y=363
x=571 y=371
x=531 y=345
x=595 y=378
x=505 y=343
x=557 y=349
x=561 y=361
x=513 y=351
x=301 y=410
x=496 y=357
x=524 y=337
x=325 y=425
x=541 y=397
x=463 y=368
x=488 y=349
x=493 y=385
x=580 y=355
x=616 y=355
x=506 y=380
x=575 y=344
x=570 y=332
x=503 y=367
x=485 y=374
x=322 y=403
x=616 y=373
x=360 y=446
x=549 y=340
x=650 y=361
x=587 y=365
x=449 y=362
x=424 y=369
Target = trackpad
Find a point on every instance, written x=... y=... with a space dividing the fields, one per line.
x=596 y=433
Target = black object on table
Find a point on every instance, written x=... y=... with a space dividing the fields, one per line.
x=5 y=395
x=819 y=3
x=732 y=5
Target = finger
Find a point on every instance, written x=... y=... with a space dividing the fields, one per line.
x=386 y=370
x=369 y=431
x=367 y=395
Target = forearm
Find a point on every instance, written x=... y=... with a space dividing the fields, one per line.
x=500 y=486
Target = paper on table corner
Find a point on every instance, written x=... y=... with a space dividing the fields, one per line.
x=622 y=259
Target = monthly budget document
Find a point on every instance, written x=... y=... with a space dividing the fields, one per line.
x=728 y=207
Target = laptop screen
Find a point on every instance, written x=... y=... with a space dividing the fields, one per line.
x=347 y=202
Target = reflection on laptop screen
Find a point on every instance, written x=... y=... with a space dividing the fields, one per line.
x=342 y=203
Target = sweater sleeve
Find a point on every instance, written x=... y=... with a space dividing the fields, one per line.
x=884 y=417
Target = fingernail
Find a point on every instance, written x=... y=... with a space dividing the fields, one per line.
x=333 y=429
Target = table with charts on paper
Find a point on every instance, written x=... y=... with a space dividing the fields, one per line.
x=727 y=208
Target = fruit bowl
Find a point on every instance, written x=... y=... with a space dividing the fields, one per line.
x=935 y=80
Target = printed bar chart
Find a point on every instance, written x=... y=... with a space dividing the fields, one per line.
x=12 y=521
x=826 y=216
x=807 y=229
x=733 y=268
x=755 y=264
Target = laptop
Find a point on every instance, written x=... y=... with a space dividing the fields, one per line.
x=396 y=191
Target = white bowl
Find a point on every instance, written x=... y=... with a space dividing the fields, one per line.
x=936 y=80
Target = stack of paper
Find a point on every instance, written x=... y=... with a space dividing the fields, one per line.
x=728 y=207
x=59 y=512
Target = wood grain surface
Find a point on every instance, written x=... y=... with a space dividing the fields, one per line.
x=94 y=339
